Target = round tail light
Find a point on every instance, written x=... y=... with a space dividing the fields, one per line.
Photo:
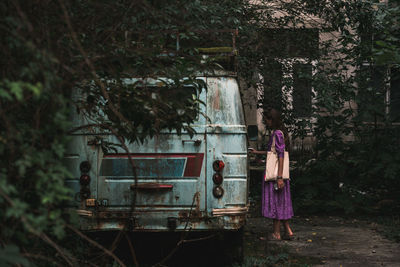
x=85 y=193
x=218 y=191
x=84 y=179
x=84 y=166
x=217 y=178
x=218 y=165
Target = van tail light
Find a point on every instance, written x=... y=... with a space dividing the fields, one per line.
x=217 y=178
x=218 y=191
x=84 y=179
x=218 y=165
x=84 y=166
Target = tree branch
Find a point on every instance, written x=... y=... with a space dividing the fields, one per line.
x=94 y=243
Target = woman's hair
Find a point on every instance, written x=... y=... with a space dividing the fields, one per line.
x=277 y=124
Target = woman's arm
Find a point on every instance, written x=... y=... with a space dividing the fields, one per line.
x=279 y=179
x=258 y=152
x=280 y=149
x=280 y=167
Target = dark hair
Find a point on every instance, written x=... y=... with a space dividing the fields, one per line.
x=277 y=124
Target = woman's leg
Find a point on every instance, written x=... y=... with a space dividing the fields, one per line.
x=277 y=229
x=288 y=230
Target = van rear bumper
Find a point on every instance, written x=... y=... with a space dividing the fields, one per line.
x=163 y=220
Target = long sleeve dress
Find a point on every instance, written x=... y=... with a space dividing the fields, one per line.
x=276 y=204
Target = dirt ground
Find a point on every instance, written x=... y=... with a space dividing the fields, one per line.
x=325 y=241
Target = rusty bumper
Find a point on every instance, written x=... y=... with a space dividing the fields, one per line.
x=163 y=220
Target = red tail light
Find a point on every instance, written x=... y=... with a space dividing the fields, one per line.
x=84 y=180
x=217 y=178
x=218 y=165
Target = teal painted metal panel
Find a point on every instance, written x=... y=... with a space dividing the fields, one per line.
x=181 y=164
x=226 y=141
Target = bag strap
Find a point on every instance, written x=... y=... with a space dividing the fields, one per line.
x=273 y=142
x=273 y=149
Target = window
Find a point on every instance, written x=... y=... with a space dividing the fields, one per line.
x=379 y=93
x=302 y=91
x=272 y=77
x=371 y=97
x=288 y=70
x=394 y=94
x=378 y=96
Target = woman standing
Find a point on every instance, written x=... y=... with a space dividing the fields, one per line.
x=277 y=203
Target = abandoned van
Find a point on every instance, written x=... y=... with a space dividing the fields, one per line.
x=198 y=183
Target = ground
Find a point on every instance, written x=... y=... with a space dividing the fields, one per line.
x=319 y=241
x=322 y=241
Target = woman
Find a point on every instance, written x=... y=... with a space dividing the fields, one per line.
x=277 y=204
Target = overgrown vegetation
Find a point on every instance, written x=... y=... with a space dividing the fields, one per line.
x=332 y=67
x=355 y=165
x=49 y=48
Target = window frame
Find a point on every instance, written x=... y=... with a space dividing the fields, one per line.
x=386 y=98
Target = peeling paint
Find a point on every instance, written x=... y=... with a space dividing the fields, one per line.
x=174 y=177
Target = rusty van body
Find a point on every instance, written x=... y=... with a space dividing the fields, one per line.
x=198 y=183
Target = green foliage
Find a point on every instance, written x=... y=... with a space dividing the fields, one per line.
x=356 y=167
x=52 y=48
x=353 y=164
x=10 y=255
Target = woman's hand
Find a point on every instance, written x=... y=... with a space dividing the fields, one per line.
x=280 y=183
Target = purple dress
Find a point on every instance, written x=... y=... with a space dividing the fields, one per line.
x=276 y=204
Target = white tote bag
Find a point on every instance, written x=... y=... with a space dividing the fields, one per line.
x=272 y=163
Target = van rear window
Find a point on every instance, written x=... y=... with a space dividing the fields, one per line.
x=167 y=101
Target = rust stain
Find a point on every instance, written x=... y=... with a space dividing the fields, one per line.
x=236 y=222
x=197 y=197
x=195 y=216
x=126 y=196
x=196 y=213
x=216 y=100
x=121 y=225
x=182 y=215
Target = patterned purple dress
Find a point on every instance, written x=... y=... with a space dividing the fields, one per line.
x=276 y=204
